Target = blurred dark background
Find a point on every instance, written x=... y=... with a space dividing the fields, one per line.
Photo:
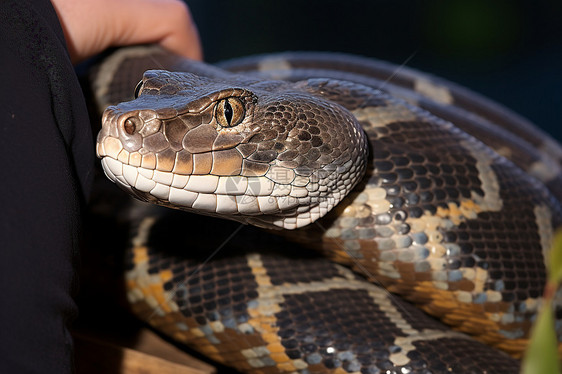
x=508 y=50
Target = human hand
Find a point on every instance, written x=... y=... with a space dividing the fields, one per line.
x=90 y=26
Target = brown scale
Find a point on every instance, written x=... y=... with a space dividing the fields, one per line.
x=294 y=139
x=423 y=169
x=449 y=178
x=410 y=310
x=212 y=294
x=498 y=135
x=499 y=263
x=505 y=243
x=340 y=330
x=281 y=270
x=420 y=164
x=455 y=356
x=383 y=74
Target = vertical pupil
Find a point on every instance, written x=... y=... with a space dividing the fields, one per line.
x=228 y=112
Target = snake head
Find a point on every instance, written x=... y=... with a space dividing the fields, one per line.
x=265 y=153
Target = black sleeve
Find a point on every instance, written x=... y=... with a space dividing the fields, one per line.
x=46 y=161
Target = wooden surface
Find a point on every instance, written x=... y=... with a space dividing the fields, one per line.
x=149 y=355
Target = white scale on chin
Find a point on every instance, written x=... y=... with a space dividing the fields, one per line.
x=208 y=193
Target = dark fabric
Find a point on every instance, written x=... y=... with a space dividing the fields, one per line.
x=46 y=158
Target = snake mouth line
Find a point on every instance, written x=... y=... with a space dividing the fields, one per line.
x=221 y=195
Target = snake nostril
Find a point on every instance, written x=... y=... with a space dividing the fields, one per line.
x=130 y=125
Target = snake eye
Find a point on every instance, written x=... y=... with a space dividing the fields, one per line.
x=230 y=112
x=138 y=89
x=129 y=126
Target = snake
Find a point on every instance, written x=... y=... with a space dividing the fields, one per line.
x=352 y=216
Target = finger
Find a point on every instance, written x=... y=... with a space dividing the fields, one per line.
x=167 y=22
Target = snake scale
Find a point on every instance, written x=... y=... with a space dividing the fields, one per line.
x=420 y=187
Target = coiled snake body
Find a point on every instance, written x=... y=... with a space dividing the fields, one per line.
x=318 y=144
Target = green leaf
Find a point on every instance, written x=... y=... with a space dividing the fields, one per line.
x=555 y=261
x=542 y=352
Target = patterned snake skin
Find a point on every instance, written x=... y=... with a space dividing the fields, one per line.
x=385 y=177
